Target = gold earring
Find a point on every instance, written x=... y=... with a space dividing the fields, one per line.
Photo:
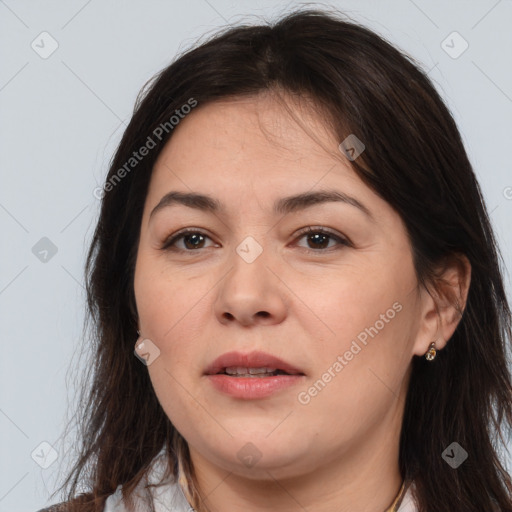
x=431 y=352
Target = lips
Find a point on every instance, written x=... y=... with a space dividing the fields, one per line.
x=254 y=359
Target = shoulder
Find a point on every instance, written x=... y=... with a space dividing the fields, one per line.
x=166 y=496
x=65 y=506
x=58 y=507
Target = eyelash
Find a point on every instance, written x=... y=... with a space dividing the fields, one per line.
x=168 y=243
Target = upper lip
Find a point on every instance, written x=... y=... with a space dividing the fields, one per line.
x=255 y=359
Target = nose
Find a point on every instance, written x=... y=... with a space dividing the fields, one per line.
x=250 y=293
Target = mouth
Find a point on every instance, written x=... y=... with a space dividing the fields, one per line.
x=252 y=376
x=237 y=371
x=252 y=365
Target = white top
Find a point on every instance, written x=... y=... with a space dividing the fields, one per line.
x=169 y=497
x=408 y=503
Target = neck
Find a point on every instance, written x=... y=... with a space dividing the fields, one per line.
x=361 y=479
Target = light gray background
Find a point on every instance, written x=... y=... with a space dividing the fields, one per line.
x=62 y=117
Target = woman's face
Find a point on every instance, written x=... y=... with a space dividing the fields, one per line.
x=339 y=305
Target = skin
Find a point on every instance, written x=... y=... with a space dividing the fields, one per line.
x=340 y=450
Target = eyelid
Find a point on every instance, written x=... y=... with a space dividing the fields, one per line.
x=322 y=229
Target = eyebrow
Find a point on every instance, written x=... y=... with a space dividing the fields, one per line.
x=282 y=206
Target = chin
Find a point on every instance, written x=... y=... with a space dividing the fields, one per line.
x=260 y=456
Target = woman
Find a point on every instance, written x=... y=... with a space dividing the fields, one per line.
x=296 y=290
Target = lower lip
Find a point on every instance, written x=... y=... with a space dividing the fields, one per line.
x=253 y=387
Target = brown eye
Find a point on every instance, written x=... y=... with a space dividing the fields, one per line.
x=318 y=239
x=192 y=240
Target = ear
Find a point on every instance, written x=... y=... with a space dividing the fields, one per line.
x=443 y=304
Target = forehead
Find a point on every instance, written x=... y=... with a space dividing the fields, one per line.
x=250 y=156
x=252 y=142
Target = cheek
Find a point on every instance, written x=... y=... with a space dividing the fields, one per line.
x=177 y=398
x=371 y=322
x=354 y=303
x=164 y=298
x=172 y=311
x=369 y=299
x=360 y=381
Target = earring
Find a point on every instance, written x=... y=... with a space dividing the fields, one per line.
x=431 y=352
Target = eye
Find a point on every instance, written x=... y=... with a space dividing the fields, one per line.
x=319 y=237
x=193 y=240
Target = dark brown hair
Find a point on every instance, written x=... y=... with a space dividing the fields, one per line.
x=414 y=159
